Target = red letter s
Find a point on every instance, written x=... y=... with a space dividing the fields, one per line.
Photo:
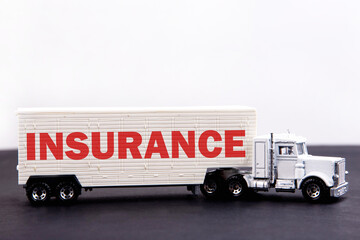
x=82 y=147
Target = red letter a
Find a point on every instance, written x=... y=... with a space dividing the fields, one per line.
x=156 y=137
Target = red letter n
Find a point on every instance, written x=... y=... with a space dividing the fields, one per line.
x=178 y=139
x=47 y=142
x=230 y=143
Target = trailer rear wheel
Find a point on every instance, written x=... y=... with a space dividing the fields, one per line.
x=38 y=193
x=211 y=187
x=236 y=186
x=315 y=190
x=67 y=192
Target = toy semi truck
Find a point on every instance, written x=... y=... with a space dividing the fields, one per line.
x=62 y=151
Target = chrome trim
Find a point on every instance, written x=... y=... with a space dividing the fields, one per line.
x=339 y=173
x=339 y=190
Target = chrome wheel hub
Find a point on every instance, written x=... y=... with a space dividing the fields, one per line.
x=313 y=190
x=235 y=188
x=67 y=192
x=39 y=194
x=210 y=187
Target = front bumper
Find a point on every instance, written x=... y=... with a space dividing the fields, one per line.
x=339 y=190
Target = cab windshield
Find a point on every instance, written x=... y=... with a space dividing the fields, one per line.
x=301 y=149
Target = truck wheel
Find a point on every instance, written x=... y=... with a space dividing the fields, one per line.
x=236 y=187
x=38 y=193
x=67 y=192
x=314 y=190
x=211 y=187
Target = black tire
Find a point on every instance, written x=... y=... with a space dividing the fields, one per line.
x=315 y=190
x=236 y=187
x=67 y=192
x=212 y=186
x=38 y=193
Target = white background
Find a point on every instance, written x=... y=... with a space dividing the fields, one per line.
x=297 y=62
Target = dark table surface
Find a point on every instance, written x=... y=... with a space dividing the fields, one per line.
x=173 y=213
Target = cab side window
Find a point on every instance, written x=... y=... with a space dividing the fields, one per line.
x=286 y=150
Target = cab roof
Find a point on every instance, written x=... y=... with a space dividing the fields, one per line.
x=282 y=137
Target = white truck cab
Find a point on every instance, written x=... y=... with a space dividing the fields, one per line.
x=281 y=161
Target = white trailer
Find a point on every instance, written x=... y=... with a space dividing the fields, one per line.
x=62 y=151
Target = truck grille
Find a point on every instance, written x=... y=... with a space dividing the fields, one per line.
x=341 y=172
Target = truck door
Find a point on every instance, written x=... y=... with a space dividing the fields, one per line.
x=286 y=159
